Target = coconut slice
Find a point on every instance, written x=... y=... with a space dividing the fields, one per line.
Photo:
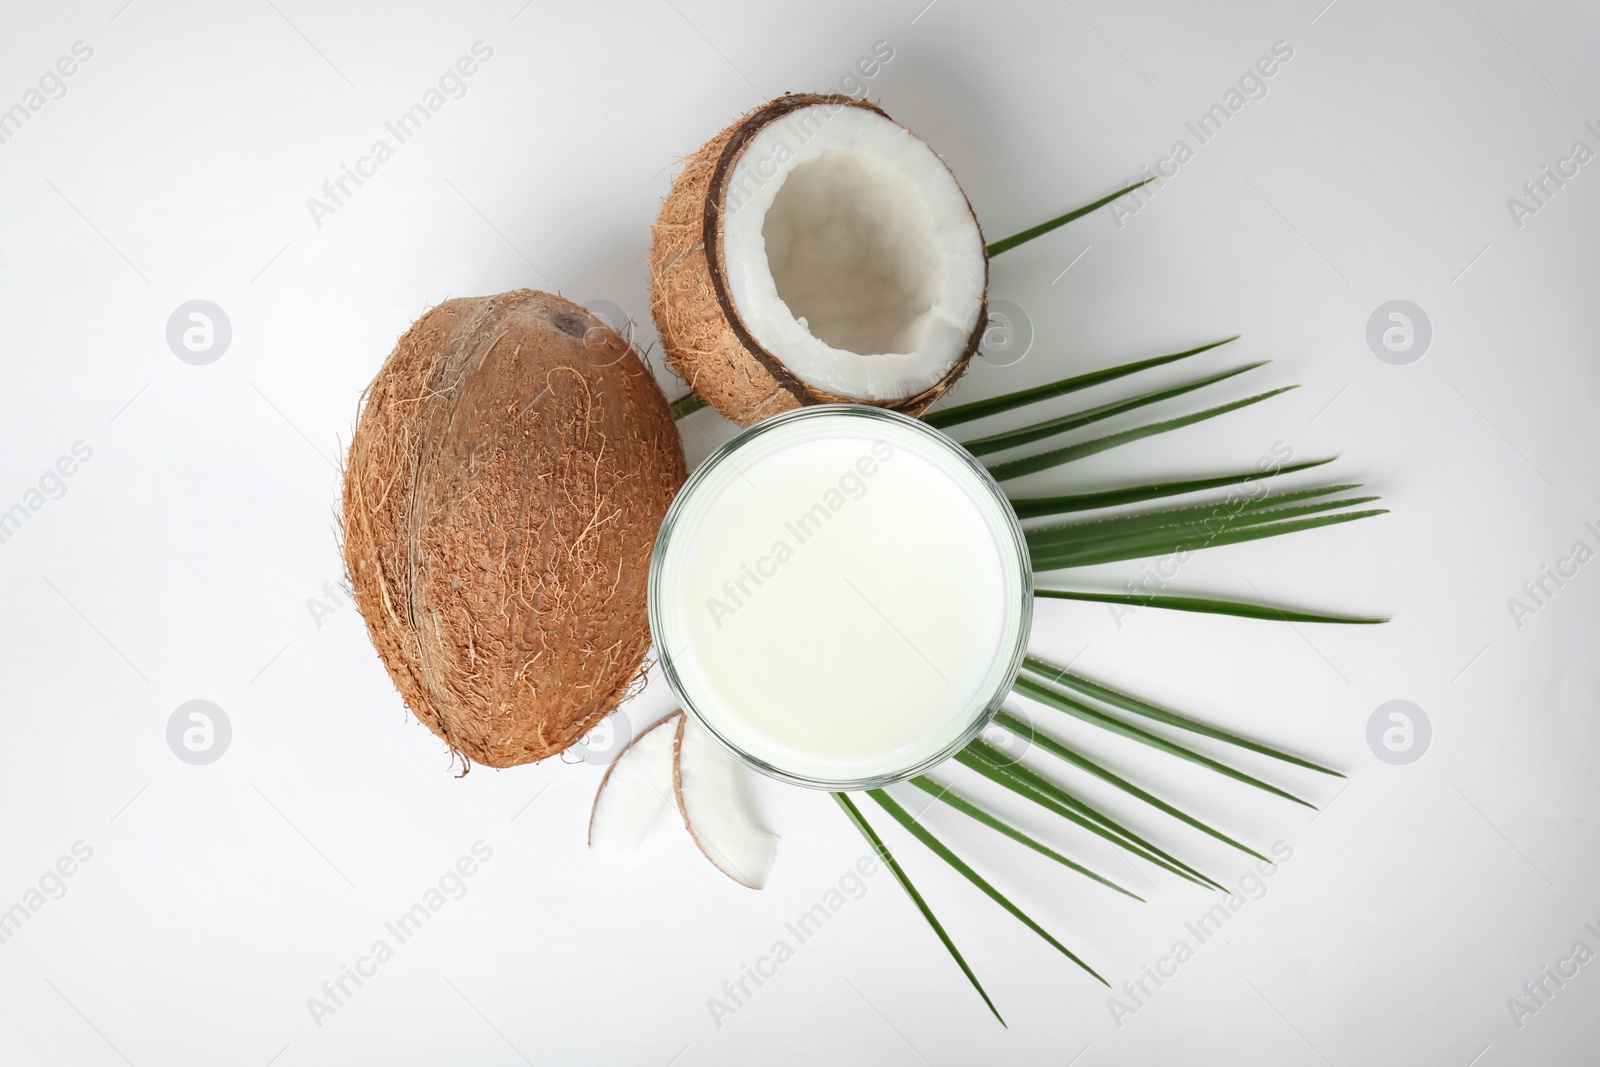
x=817 y=251
x=712 y=799
x=634 y=790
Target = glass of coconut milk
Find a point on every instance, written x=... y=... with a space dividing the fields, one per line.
x=841 y=596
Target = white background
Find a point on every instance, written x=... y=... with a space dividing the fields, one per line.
x=181 y=560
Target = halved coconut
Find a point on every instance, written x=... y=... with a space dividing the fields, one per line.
x=816 y=251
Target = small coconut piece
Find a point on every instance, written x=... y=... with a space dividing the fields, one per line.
x=816 y=251
x=635 y=788
x=513 y=461
x=711 y=796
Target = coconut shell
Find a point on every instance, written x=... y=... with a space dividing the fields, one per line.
x=513 y=461
x=702 y=335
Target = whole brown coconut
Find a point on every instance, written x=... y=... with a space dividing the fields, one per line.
x=711 y=341
x=513 y=461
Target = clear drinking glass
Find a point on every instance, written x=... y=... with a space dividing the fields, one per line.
x=730 y=469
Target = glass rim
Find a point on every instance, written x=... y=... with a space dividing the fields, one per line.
x=1017 y=544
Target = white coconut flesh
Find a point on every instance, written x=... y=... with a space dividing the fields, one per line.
x=711 y=795
x=851 y=254
x=635 y=790
x=676 y=759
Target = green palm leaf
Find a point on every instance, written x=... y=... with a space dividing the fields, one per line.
x=1008 y=243
x=1028 y=783
x=1211 y=517
x=1045 y=460
x=687 y=404
x=1049 y=555
x=1204 y=605
x=1039 y=506
x=943 y=794
x=1148 y=534
x=1272 y=500
x=1076 y=708
x=1049 y=428
x=938 y=848
x=978 y=409
x=1118 y=699
x=916 y=898
x=1082 y=762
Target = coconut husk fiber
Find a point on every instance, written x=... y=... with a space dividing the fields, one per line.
x=702 y=336
x=503 y=490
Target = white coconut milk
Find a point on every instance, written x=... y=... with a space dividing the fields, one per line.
x=841 y=596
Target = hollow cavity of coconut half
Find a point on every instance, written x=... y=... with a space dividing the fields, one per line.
x=816 y=251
